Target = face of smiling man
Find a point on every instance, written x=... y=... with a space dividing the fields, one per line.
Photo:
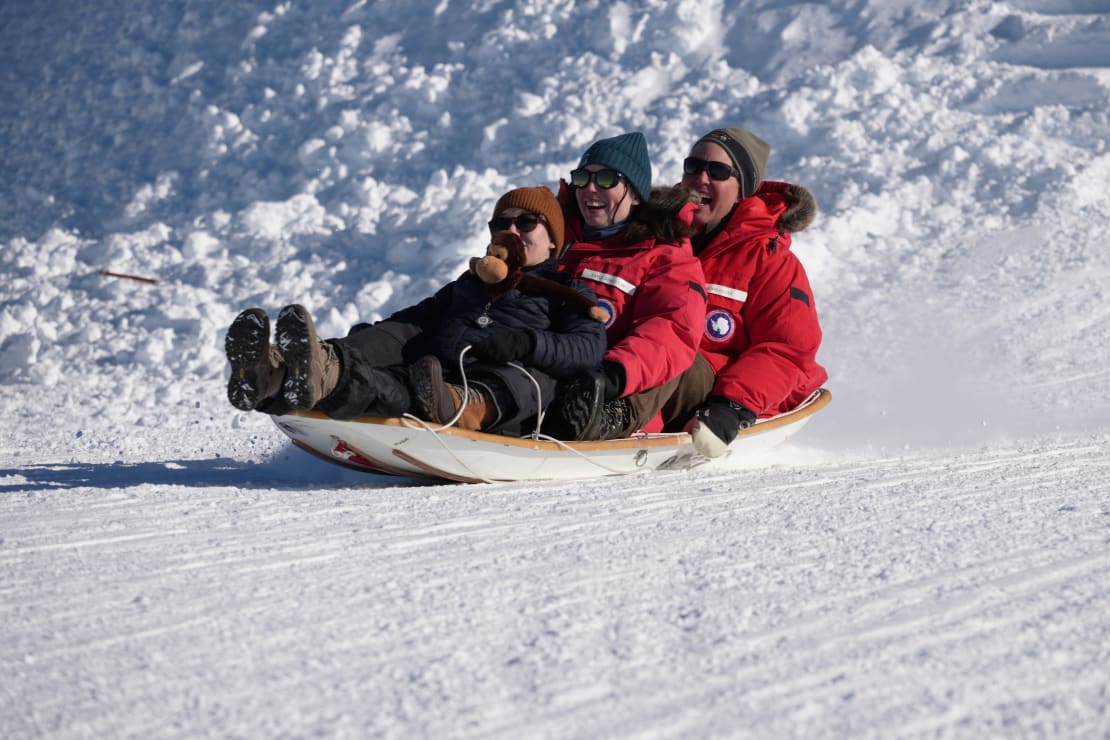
x=718 y=196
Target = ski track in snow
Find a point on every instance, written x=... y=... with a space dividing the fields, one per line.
x=962 y=597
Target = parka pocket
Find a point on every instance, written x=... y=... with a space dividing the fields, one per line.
x=722 y=315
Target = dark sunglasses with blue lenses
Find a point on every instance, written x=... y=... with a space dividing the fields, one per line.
x=717 y=171
x=605 y=179
x=524 y=223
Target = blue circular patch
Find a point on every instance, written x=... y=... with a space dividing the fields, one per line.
x=610 y=312
x=719 y=325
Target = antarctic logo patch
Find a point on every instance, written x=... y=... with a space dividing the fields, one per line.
x=719 y=325
x=610 y=312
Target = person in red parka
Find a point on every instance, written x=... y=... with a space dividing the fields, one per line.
x=629 y=244
x=761 y=332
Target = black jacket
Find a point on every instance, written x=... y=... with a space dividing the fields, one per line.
x=567 y=342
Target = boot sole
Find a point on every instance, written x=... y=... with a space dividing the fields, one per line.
x=296 y=338
x=247 y=340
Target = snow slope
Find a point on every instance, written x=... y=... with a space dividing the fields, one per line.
x=928 y=558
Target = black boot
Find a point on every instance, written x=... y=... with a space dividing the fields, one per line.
x=575 y=414
x=616 y=417
x=580 y=412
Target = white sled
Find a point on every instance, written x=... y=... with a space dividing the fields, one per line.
x=415 y=449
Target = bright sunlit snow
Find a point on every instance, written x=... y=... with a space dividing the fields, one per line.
x=930 y=557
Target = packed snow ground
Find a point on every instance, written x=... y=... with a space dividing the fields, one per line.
x=928 y=558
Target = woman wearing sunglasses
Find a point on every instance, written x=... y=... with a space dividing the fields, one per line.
x=628 y=243
x=761 y=330
x=411 y=360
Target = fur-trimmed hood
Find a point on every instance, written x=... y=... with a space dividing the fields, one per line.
x=801 y=209
x=777 y=209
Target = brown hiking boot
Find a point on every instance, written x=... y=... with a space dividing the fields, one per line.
x=479 y=411
x=256 y=365
x=311 y=366
x=439 y=401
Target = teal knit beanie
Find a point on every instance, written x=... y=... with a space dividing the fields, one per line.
x=628 y=155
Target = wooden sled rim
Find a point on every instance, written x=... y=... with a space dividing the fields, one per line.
x=817 y=401
x=647 y=440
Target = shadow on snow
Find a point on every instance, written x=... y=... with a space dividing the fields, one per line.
x=216 y=472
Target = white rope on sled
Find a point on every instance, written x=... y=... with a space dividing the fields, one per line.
x=414 y=422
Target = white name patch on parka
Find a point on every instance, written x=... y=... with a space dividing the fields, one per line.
x=605 y=278
x=726 y=292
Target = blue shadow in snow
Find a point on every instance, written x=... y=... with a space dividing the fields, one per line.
x=216 y=472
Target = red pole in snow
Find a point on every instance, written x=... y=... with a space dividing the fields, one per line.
x=136 y=278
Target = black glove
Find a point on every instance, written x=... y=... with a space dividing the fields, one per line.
x=504 y=345
x=614 y=379
x=724 y=417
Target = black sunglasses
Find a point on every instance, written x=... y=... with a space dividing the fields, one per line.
x=605 y=179
x=716 y=170
x=524 y=223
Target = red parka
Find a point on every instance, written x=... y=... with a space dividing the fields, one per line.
x=761 y=330
x=655 y=299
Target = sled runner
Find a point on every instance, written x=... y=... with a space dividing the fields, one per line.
x=407 y=447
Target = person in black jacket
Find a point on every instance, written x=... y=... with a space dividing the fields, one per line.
x=415 y=359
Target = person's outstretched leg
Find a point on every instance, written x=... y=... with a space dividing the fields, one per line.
x=257 y=368
x=312 y=367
